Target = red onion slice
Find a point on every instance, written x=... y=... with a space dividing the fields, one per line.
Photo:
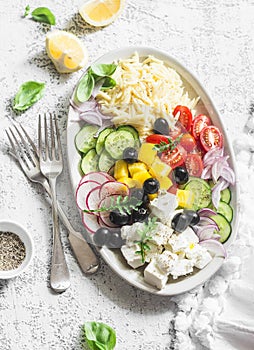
x=206 y=173
x=228 y=175
x=220 y=186
x=218 y=167
x=206 y=212
x=214 y=247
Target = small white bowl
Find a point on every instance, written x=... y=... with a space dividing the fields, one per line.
x=11 y=226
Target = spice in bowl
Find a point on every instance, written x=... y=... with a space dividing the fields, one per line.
x=12 y=251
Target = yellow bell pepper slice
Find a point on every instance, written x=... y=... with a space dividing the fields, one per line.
x=185 y=198
x=120 y=169
x=137 y=167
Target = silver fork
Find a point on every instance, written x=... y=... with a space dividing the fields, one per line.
x=51 y=165
x=25 y=152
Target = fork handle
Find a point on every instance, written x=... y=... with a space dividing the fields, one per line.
x=87 y=259
x=59 y=274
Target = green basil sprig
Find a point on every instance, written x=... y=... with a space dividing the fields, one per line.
x=28 y=93
x=44 y=15
x=27 y=10
x=98 y=336
x=95 y=74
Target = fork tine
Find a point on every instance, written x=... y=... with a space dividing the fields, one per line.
x=46 y=137
x=22 y=160
x=53 y=145
x=59 y=148
x=28 y=149
x=30 y=141
x=40 y=139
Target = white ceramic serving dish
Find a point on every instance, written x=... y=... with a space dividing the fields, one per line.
x=12 y=226
x=113 y=257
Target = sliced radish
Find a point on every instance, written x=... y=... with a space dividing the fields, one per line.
x=110 y=188
x=93 y=199
x=98 y=176
x=82 y=192
x=104 y=215
x=214 y=247
x=90 y=222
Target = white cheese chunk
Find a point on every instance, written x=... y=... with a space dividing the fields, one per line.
x=155 y=250
x=161 y=234
x=181 y=268
x=129 y=253
x=180 y=241
x=199 y=255
x=157 y=271
x=130 y=232
x=163 y=206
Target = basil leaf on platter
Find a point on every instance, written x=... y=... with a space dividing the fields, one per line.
x=103 y=70
x=85 y=88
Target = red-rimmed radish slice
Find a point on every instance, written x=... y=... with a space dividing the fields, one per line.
x=214 y=247
x=82 y=192
x=104 y=215
x=110 y=188
x=90 y=222
x=93 y=199
x=98 y=176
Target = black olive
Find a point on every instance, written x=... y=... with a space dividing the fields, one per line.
x=130 y=155
x=140 y=215
x=140 y=194
x=115 y=240
x=161 y=126
x=181 y=175
x=180 y=222
x=151 y=186
x=119 y=218
x=193 y=216
x=101 y=236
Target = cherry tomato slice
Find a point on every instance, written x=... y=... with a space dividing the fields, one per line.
x=194 y=165
x=173 y=158
x=185 y=117
x=188 y=142
x=157 y=139
x=199 y=123
x=176 y=131
x=211 y=137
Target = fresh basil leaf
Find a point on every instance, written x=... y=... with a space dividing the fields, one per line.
x=28 y=93
x=44 y=15
x=85 y=88
x=99 y=336
x=109 y=83
x=27 y=10
x=103 y=70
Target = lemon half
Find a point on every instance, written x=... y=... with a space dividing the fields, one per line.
x=67 y=52
x=101 y=12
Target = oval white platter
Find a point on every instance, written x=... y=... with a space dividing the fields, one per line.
x=113 y=257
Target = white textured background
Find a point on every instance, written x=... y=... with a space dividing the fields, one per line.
x=214 y=39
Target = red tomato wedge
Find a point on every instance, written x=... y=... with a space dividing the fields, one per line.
x=185 y=117
x=211 y=137
x=194 y=165
x=173 y=158
x=199 y=123
x=188 y=142
x=157 y=139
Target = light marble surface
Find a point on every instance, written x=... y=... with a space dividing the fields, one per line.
x=214 y=39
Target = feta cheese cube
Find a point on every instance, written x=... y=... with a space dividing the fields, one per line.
x=161 y=234
x=129 y=253
x=163 y=206
x=199 y=255
x=130 y=232
x=157 y=271
x=154 y=276
x=154 y=251
x=181 y=241
x=181 y=267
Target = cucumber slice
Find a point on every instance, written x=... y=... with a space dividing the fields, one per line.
x=226 y=210
x=202 y=192
x=131 y=129
x=84 y=139
x=105 y=161
x=89 y=162
x=224 y=227
x=101 y=139
x=117 y=141
x=225 y=195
